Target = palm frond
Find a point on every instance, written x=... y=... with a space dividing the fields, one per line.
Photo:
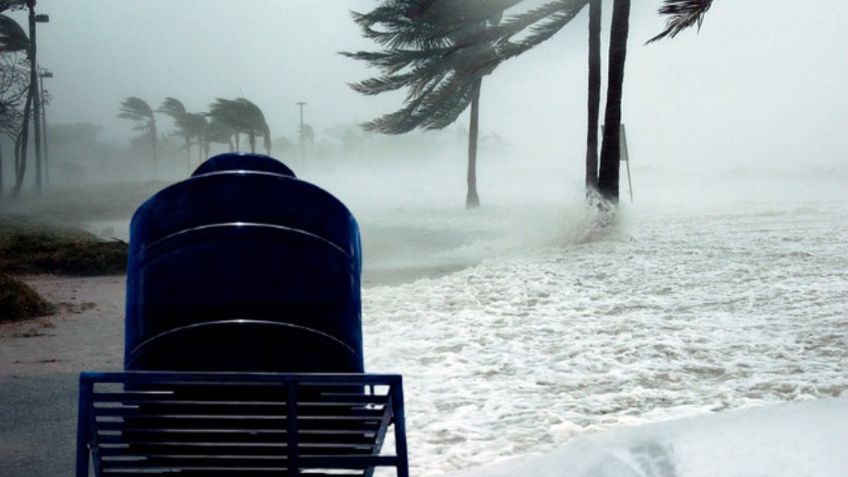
x=682 y=14
x=172 y=107
x=382 y=84
x=136 y=109
x=517 y=24
x=238 y=115
x=435 y=49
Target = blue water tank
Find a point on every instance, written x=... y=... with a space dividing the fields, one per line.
x=244 y=267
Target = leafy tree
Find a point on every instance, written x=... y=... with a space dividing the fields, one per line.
x=240 y=116
x=15 y=110
x=137 y=110
x=14 y=89
x=439 y=52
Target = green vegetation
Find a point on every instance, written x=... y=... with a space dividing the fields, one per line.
x=20 y=302
x=28 y=246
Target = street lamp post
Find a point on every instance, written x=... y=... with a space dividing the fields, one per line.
x=45 y=74
x=301 y=104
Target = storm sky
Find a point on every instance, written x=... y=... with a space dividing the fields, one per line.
x=762 y=83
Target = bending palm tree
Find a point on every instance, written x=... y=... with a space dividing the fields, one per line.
x=136 y=109
x=175 y=109
x=198 y=127
x=241 y=116
x=189 y=126
x=218 y=132
x=439 y=51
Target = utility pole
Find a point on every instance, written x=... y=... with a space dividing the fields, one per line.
x=45 y=74
x=301 y=104
x=33 y=84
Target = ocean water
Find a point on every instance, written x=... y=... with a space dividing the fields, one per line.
x=710 y=293
x=560 y=327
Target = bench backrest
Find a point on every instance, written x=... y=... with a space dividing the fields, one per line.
x=152 y=423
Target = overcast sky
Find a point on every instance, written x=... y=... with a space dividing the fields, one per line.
x=764 y=80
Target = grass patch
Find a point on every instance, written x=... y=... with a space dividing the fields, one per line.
x=80 y=204
x=30 y=246
x=20 y=302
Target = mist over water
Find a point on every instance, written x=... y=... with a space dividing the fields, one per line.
x=677 y=311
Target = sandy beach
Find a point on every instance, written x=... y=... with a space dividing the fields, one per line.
x=87 y=332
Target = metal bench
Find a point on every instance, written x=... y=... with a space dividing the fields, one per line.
x=146 y=423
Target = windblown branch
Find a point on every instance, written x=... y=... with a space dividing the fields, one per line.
x=542 y=23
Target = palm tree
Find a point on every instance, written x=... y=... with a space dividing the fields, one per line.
x=198 y=127
x=191 y=126
x=136 y=109
x=175 y=109
x=240 y=116
x=437 y=51
x=217 y=132
x=610 y=148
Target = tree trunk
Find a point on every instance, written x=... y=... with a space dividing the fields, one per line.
x=1 y=178
x=251 y=136
x=188 y=153
x=594 y=105
x=472 y=200
x=202 y=146
x=153 y=134
x=610 y=149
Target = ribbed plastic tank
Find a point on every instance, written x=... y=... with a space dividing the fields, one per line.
x=244 y=267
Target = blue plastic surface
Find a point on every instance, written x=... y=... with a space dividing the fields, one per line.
x=244 y=267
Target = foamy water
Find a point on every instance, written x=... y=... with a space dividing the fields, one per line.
x=561 y=332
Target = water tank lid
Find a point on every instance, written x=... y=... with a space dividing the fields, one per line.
x=239 y=161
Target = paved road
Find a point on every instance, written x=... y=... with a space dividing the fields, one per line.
x=38 y=425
